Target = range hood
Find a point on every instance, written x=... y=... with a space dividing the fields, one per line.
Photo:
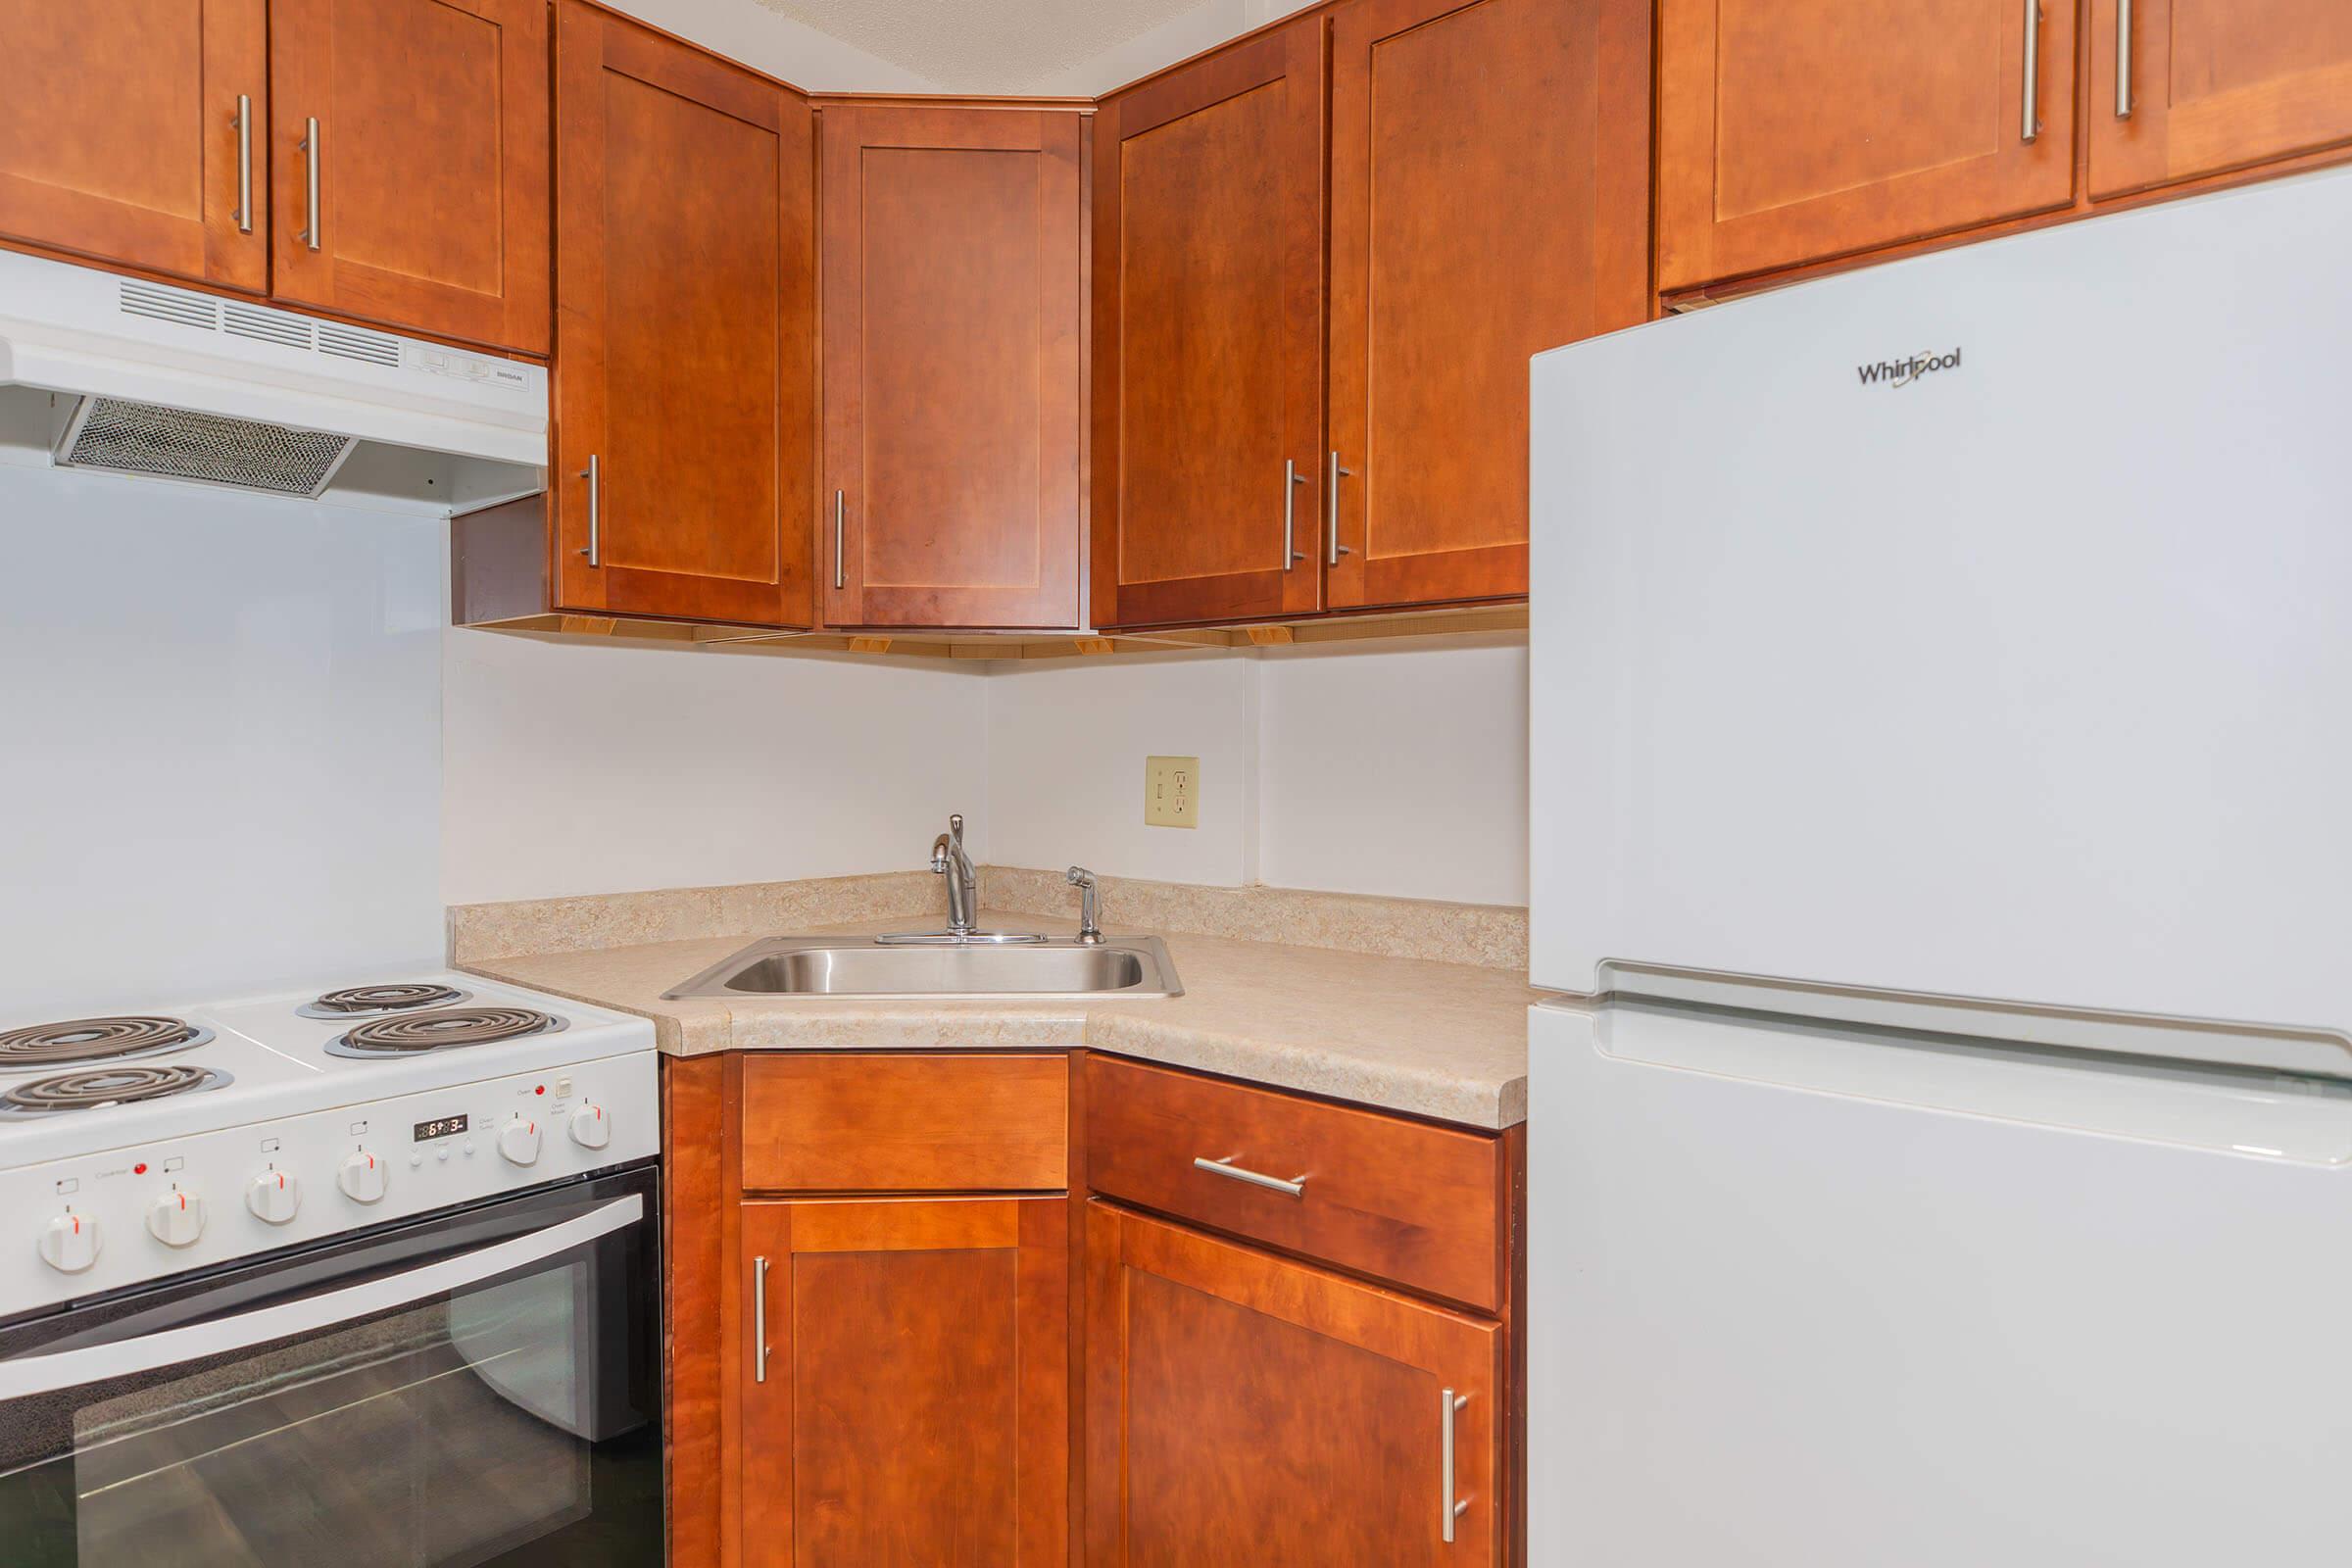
x=99 y=371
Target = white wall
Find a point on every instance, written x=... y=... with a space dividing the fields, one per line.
x=1397 y=769
x=1394 y=769
x=1066 y=743
x=585 y=768
x=220 y=742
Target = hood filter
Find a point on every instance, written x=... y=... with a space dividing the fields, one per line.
x=146 y=438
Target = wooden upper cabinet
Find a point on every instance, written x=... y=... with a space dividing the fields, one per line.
x=1794 y=131
x=912 y=1402
x=1243 y=1408
x=954 y=271
x=1208 y=320
x=431 y=167
x=1470 y=229
x=2215 y=84
x=685 y=333
x=119 y=133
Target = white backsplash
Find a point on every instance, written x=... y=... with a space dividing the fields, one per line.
x=220 y=742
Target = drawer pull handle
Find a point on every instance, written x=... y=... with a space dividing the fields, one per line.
x=1241 y=1173
x=1450 y=1508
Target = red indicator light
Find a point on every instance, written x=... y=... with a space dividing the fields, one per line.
x=541 y=1090
x=140 y=1169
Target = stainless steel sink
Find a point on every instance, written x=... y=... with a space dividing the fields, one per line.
x=940 y=968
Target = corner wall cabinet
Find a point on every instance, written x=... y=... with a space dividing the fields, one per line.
x=954 y=272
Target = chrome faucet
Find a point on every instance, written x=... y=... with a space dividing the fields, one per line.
x=947 y=860
x=1090 y=934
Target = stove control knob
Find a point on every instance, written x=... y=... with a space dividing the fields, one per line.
x=69 y=1243
x=275 y=1196
x=361 y=1177
x=518 y=1141
x=591 y=1128
x=176 y=1218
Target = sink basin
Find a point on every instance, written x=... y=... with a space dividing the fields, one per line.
x=869 y=967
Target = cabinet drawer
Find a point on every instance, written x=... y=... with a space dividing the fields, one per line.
x=1400 y=1201
x=902 y=1123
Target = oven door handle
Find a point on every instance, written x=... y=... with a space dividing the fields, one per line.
x=94 y=1363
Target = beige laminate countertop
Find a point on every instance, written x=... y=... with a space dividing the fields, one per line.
x=1442 y=1040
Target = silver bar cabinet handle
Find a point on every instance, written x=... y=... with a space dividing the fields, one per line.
x=244 y=162
x=1291 y=480
x=1450 y=1508
x=312 y=153
x=1332 y=507
x=1241 y=1173
x=2123 y=59
x=2032 y=129
x=595 y=509
x=839 y=570
x=760 y=1318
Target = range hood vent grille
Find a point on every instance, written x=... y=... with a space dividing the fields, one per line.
x=144 y=438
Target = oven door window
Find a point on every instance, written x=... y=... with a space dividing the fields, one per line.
x=511 y=1417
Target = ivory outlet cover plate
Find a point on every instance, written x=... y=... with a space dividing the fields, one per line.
x=1171 y=792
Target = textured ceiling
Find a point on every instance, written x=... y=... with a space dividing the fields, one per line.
x=984 y=45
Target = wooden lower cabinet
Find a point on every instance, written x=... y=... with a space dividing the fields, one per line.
x=1244 y=1408
x=910 y=1403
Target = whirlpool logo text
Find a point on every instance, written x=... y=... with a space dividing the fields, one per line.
x=1903 y=372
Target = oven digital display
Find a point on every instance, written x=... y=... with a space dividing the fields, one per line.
x=445 y=1127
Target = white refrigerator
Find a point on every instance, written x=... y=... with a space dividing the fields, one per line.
x=1941 y=748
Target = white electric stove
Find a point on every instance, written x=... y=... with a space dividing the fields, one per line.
x=141 y=1146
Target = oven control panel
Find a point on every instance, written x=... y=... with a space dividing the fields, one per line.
x=96 y=1223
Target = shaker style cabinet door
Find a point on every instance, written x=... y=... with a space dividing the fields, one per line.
x=952 y=323
x=409 y=143
x=1795 y=130
x=136 y=131
x=685 y=334
x=1467 y=233
x=1208 y=322
x=1243 y=1408
x=2186 y=87
x=910 y=1399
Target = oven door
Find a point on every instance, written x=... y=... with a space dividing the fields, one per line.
x=480 y=1386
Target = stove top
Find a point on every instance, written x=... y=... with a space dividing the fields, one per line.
x=81 y=1085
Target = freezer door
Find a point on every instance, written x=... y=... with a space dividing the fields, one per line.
x=1973 y=624
x=1805 y=1300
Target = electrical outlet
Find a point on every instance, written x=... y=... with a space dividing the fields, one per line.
x=1171 y=792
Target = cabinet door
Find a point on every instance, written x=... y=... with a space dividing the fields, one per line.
x=1208 y=323
x=953 y=275
x=119 y=133
x=430 y=168
x=1792 y=131
x=685 y=330
x=911 y=1403
x=1467 y=233
x=2214 y=84
x=1244 y=1409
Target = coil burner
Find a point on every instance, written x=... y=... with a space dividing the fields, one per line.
x=412 y=1034
x=96 y=1088
x=87 y=1042
x=376 y=1002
